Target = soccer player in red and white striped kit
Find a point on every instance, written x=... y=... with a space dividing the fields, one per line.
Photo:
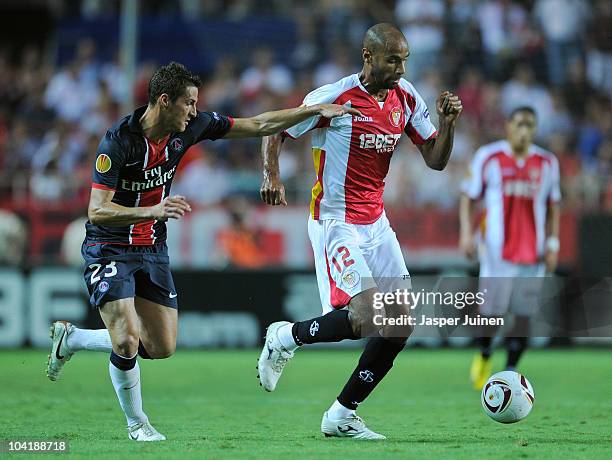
x=356 y=252
x=517 y=240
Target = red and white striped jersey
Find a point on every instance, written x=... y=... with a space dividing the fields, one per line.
x=516 y=195
x=352 y=153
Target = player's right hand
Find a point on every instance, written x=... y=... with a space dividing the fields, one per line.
x=172 y=207
x=467 y=244
x=272 y=191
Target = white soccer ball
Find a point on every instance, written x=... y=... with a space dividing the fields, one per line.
x=507 y=397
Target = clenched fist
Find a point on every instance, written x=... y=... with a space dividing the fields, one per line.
x=272 y=191
x=448 y=107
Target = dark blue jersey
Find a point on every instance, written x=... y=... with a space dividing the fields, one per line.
x=140 y=171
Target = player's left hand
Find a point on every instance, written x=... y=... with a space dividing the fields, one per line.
x=550 y=261
x=448 y=106
x=467 y=244
x=335 y=110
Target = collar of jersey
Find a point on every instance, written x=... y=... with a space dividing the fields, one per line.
x=507 y=149
x=134 y=120
x=363 y=88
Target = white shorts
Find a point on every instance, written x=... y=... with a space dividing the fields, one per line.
x=351 y=258
x=507 y=285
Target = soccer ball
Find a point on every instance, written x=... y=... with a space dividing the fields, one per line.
x=507 y=397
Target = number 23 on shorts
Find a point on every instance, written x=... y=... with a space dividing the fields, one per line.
x=107 y=271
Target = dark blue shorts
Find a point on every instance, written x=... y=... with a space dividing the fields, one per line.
x=114 y=272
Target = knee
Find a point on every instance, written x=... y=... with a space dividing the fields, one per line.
x=163 y=353
x=358 y=317
x=398 y=327
x=127 y=344
x=362 y=310
x=369 y=319
x=161 y=350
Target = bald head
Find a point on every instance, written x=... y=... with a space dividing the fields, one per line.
x=382 y=37
x=385 y=53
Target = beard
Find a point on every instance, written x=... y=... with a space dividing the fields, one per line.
x=381 y=80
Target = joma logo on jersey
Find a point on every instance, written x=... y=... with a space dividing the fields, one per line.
x=385 y=142
x=520 y=188
x=364 y=119
x=153 y=178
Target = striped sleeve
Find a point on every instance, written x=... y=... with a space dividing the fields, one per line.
x=419 y=127
x=554 y=194
x=326 y=94
x=473 y=184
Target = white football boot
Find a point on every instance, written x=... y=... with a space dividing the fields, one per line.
x=273 y=358
x=60 y=353
x=352 y=426
x=144 y=432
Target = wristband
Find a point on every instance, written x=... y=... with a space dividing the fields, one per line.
x=552 y=244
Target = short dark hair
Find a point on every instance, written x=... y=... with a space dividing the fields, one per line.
x=521 y=109
x=171 y=79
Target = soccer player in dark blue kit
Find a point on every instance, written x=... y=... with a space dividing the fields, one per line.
x=127 y=268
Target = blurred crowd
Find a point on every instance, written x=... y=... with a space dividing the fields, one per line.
x=555 y=55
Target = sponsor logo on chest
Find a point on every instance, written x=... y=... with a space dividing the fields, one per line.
x=383 y=143
x=387 y=123
x=150 y=179
x=520 y=188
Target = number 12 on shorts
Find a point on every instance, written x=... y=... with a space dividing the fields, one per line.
x=345 y=258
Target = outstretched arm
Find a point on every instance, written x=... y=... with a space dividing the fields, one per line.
x=436 y=151
x=269 y=123
x=272 y=189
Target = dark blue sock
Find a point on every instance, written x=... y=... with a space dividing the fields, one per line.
x=124 y=364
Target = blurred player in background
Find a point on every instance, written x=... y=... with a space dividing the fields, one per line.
x=127 y=268
x=518 y=239
x=351 y=237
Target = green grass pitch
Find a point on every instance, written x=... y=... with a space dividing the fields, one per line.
x=209 y=405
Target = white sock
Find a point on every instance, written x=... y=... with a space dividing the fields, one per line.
x=337 y=411
x=127 y=387
x=89 y=339
x=285 y=337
